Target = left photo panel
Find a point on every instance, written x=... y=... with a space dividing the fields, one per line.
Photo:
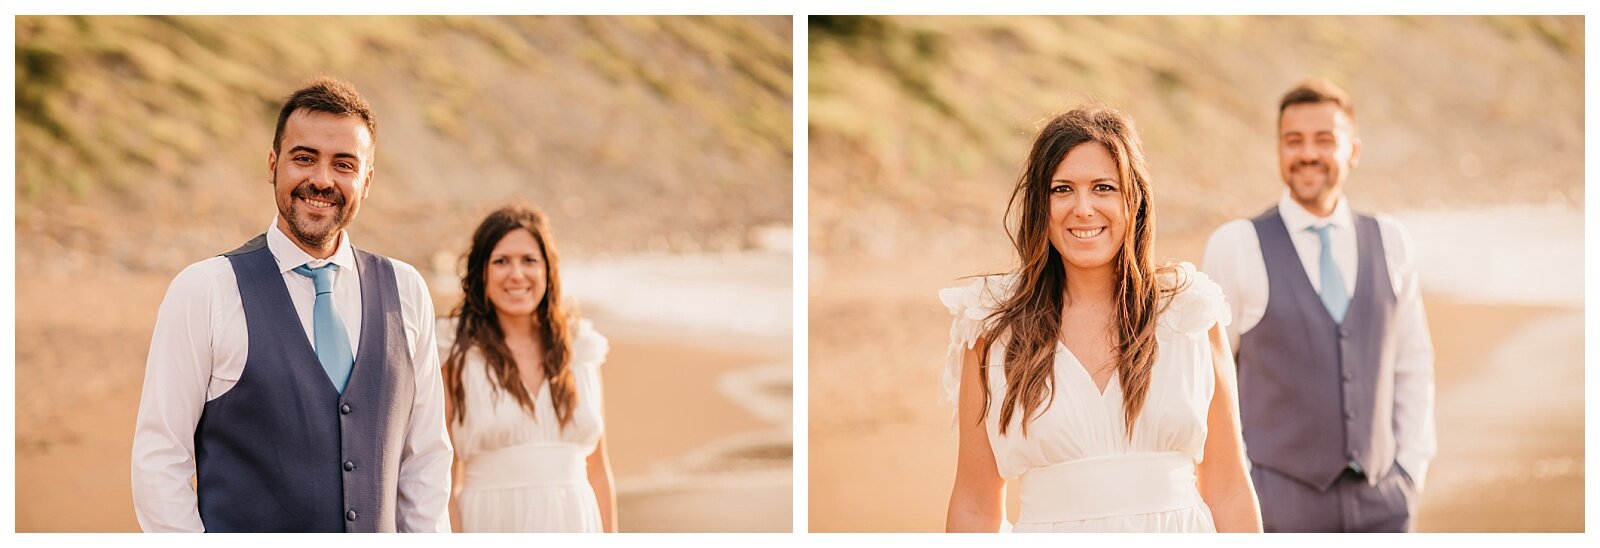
x=393 y=274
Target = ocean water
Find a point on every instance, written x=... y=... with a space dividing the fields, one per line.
x=735 y=294
x=1506 y=254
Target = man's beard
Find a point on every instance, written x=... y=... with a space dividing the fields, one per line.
x=1311 y=174
x=307 y=231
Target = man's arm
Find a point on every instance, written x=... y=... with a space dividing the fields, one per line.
x=1414 y=431
x=175 y=378
x=1224 y=263
x=424 y=498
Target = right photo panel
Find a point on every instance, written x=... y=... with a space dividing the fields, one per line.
x=1196 y=274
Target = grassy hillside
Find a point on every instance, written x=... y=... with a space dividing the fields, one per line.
x=921 y=122
x=142 y=141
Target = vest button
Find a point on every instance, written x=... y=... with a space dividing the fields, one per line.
x=1347 y=376
x=344 y=409
x=1349 y=415
x=348 y=466
x=350 y=516
x=1344 y=332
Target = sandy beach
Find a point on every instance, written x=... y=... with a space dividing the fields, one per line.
x=690 y=453
x=691 y=450
x=1509 y=381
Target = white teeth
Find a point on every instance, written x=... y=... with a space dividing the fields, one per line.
x=318 y=203
x=1087 y=233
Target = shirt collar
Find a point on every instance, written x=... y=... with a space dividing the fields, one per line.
x=1296 y=218
x=290 y=256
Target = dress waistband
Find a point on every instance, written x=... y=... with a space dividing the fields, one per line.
x=528 y=465
x=1100 y=487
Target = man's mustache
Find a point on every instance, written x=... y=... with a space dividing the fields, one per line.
x=325 y=195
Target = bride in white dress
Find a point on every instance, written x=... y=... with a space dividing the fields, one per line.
x=522 y=391
x=1102 y=384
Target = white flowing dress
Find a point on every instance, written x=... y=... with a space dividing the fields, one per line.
x=524 y=473
x=1077 y=470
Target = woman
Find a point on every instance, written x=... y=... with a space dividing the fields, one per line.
x=522 y=391
x=1104 y=383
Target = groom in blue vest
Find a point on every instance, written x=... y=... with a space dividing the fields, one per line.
x=1335 y=362
x=293 y=383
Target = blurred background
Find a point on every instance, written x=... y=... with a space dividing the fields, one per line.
x=659 y=146
x=1472 y=136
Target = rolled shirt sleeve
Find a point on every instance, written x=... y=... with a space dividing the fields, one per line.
x=1414 y=429
x=176 y=375
x=425 y=458
x=1233 y=260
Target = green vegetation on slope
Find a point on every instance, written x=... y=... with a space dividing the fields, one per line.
x=162 y=123
x=926 y=119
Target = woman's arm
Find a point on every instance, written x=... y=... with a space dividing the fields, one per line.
x=977 y=500
x=458 y=467
x=1223 y=473
x=600 y=480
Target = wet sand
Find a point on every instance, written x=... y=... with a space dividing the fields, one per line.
x=79 y=376
x=1509 y=384
x=690 y=454
x=1510 y=416
x=80 y=367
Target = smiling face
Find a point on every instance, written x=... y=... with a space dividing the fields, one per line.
x=320 y=173
x=1088 y=218
x=1317 y=148
x=516 y=274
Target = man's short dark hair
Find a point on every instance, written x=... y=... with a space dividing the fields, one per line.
x=330 y=95
x=1317 y=90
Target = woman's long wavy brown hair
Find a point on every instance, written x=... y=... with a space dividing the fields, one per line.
x=1032 y=313
x=478 y=326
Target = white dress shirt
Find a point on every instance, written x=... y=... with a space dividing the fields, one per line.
x=1233 y=259
x=198 y=353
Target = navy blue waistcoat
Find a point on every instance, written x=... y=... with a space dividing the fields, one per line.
x=283 y=450
x=1317 y=396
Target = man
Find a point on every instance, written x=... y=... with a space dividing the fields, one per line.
x=295 y=379
x=1335 y=363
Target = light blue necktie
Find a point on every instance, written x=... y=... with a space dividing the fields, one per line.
x=1333 y=292
x=333 y=342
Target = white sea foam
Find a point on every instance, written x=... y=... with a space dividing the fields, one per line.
x=733 y=293
x=1506 y=254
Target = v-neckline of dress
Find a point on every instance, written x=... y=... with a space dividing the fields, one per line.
x=544 y=386
x=1084 y=371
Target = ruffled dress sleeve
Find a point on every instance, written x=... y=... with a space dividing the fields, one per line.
x=1197 y=306
x=589 y=347
x=589 y=351
x=971 y=303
